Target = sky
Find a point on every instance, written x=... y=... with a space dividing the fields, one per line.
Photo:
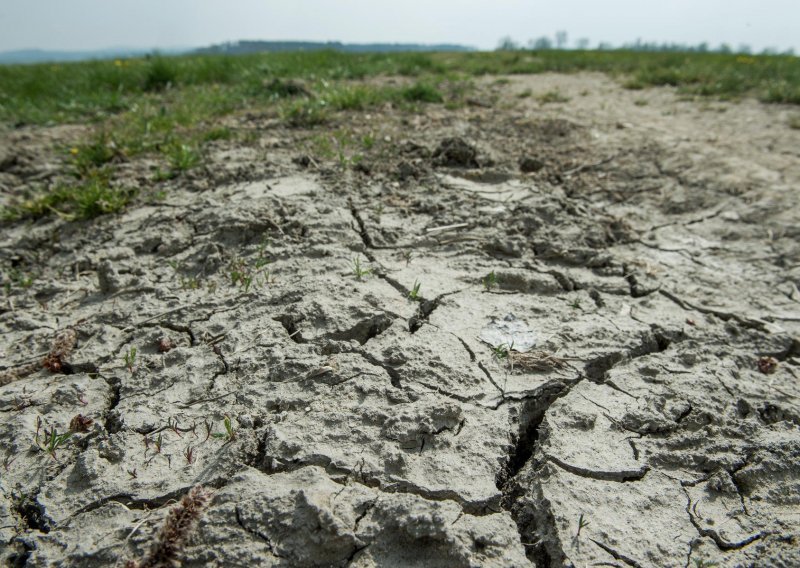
x=98 y=24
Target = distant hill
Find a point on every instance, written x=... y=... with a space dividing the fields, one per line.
x=45 y=56
x=233 y=48
x=242 y=47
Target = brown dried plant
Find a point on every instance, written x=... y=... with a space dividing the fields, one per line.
x=55 y=361
x=173 y=535
x=535 y=361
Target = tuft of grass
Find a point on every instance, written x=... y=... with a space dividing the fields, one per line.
x=51 y=440
x=230 y=433
x=413 y=294
x=161 y=74
x=356 y=97
x=182 y=157
x=358 y=271
x=14 y=277
x=782 y=92
x=217 y=133
x=490 y=281
x=97 y=152
x=246 y=274
x=501 y=352
x=305 y=113
x=79 y=201
x=422 y=93
x=130 y=359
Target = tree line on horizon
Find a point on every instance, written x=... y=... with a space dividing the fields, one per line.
x=561 y=41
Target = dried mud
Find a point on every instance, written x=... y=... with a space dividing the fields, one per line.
x=650 y=243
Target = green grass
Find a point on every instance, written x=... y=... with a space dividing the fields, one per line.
x=168 y=107
x=93 y=90
x=82 y=200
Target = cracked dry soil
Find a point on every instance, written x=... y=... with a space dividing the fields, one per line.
x=654 y=252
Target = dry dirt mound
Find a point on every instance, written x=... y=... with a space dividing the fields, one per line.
x=346 y=412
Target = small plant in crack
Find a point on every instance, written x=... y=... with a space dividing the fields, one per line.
x=158 y=443
x=490 y=281
x=414 y=293
x=244 y=275
x=582 y=524
x=230 y=433
x=51 y=441
x=130 y=359
x=189 y=454
x=190 y=283
x=407 y=254
x=359 y=271
x=501 y=352
x=575 y=304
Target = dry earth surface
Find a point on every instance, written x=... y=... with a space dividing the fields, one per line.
x=650 y=247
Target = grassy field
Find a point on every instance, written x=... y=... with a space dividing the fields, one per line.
x=168 y=105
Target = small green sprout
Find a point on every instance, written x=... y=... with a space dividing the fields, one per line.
x=159 y=442
x=414 y=293
x=52 y=440
x=130 y=359
x=190 y=283
x=358 y=270
x=490 y=281
x=243 y=274
x=501 y=352
x=230 y=434
x=575 y=304
x=582 y=523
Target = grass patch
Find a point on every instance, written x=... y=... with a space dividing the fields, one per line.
x=83 y=200
x=167 y=106
x=422 y=93
x=305 y=113
x=93 y=90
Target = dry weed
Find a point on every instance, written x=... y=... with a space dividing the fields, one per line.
x=179 y=523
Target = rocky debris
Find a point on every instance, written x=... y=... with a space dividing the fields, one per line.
x=455 y=153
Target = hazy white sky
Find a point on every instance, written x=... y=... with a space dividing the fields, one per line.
x=94 y=24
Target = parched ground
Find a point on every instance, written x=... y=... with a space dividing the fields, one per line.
x=650 y=248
